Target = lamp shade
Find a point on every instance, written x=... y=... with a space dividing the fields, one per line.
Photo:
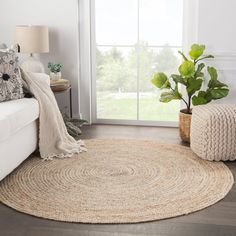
x=32 y=39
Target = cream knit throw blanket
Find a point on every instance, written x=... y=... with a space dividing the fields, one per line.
x=54 y=140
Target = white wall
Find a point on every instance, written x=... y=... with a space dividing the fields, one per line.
x=217 y=25
x=216 y=28
x=62 y=18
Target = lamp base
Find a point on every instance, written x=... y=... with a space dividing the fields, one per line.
x=31 y=64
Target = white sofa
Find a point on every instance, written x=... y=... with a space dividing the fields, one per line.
x=18 y=132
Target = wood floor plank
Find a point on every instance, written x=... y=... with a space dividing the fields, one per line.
x=71 y=232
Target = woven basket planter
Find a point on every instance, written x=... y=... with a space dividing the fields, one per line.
x=184 y=125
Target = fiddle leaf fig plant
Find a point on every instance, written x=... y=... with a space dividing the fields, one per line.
x=192 y=77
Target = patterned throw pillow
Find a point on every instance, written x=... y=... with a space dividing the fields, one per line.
x=10 y=77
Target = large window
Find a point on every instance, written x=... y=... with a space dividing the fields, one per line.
x=133 y=40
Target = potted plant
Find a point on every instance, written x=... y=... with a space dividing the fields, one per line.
x=192 y=77
x=55 y=70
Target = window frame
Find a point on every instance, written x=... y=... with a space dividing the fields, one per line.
x=87 y=65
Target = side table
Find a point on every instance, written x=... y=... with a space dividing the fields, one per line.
x=62 y=87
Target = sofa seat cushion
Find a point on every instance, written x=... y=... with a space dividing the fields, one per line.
x=16 y=114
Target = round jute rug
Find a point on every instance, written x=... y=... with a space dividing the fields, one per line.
x=117 y=181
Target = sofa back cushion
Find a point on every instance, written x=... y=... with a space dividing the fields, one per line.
x=10 y=76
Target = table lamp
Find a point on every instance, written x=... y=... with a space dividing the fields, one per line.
x=32 y=39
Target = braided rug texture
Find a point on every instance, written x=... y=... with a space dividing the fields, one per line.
x=117 y=181
x=213 y=132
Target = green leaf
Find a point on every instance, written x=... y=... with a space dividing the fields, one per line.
x=178 y=79
x=206 y=95
x=213 y=72
x=166 y=85
x=160 y=80
x=169 y=96
x=166 y=97
x=196 y=51
x=184 y=57
x=203 y=97
x=187 y=69
x=177 y=94
x=198 y=100
x=216 y=84
x=194 y=86
x=205 y=57
x=219 y=93
x=198 y=72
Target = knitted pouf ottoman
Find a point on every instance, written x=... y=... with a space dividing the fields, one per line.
x=213 y=132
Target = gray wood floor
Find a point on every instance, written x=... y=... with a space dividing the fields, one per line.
x=217 y=220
